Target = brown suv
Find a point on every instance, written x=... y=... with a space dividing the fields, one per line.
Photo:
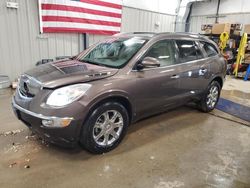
x=93 y=97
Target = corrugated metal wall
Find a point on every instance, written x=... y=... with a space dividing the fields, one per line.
x=140 y=20
x=197 y=21
x=21 y=45
x=134 y=19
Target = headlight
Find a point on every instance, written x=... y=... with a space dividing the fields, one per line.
x=66 y=95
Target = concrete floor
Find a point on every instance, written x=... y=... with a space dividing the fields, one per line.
x=181 y=148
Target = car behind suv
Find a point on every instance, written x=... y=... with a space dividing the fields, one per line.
x=92 y=98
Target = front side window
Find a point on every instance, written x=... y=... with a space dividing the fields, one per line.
x=188 y=51
x=209 y=49
x=114 y=52
x=163 y=51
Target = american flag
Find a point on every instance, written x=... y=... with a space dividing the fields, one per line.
x=80 y=16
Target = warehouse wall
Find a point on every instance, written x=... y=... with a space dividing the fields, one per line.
x=21 y=45
x=230 y=11
x=160 y=6
x=134 y=19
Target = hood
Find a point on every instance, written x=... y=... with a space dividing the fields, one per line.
x=66 y=72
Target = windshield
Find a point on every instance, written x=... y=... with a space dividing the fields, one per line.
x=114 y=52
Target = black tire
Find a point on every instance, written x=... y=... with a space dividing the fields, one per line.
x=203 y=106
x=87 y=136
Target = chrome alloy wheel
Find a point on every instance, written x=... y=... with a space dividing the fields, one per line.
x=108 y=128
x=212 y=96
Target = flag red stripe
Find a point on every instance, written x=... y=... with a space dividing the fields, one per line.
x=102 y=3
x=79 y=9
x=78 y=20
x=76 y=30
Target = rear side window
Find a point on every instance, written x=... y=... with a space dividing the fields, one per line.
x=188 y=50
x=209 y=49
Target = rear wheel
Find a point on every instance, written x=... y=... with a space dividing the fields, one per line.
x=105 y=128
x=211 y=97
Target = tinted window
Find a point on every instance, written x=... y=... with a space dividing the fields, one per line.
x=164 y=52
x=188 y=51
x=209 y=49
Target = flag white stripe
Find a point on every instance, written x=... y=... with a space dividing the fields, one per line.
x=80 y=26
x=118 y=2
x=82 y=5
x=79 y=15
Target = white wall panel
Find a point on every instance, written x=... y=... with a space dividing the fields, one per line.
x=141 y=20
x=160 y=6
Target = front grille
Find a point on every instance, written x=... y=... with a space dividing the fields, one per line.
x=28 y=86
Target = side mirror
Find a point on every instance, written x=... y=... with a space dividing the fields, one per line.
x=148 y=62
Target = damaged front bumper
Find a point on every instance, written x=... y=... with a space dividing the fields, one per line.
x=62 y=131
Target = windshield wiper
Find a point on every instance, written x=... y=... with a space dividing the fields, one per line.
x=92 y=62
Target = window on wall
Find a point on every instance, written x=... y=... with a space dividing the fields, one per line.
x=188 y=51
x=209 y=49
x=164 y=52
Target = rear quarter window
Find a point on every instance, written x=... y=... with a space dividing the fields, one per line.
x=210 y=49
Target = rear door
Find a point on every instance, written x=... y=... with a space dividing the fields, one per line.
x=194 y=68
x=213 y=59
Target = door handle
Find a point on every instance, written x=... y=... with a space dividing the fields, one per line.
x=202 y=71
x=175 y=76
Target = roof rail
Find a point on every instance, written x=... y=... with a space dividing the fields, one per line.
x=144 y=33
x=135 y=33
x=188 y=33
x=162 y=33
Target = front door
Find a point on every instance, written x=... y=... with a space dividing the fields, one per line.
x=158 y=87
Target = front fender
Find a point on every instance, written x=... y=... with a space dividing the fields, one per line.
x=109 y=95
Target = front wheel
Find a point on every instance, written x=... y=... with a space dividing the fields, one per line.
x=211 y=97
x=105 y=128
